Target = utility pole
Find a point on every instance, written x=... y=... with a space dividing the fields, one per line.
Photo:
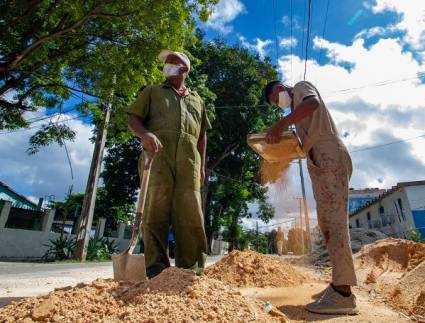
x=306 y=216
x=256 y=232
x=86 y=217
x=301 y=226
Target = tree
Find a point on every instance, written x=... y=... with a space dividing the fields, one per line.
x=237 y=78
x=224 y=76
x=52 y=51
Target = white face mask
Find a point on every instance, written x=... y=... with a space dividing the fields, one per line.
x=284 y=99
x=172 y=70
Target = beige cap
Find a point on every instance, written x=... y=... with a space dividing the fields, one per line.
x=165 y=53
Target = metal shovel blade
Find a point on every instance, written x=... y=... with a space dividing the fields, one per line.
x=129 y=267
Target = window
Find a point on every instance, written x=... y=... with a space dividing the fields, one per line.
x=369 y=222
x=357 y=223
x=400 y=204
x=382 y=215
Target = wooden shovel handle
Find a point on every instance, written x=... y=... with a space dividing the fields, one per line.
x=148 y=159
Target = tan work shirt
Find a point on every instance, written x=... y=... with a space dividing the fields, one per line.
x=318 y=126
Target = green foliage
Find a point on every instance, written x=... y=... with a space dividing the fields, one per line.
x=101 y=249
x=48 y=134
x=54 y=50
x=59 y=249
x=236 y=78
x=414 y=235
x=224 y=76
x=63 y=249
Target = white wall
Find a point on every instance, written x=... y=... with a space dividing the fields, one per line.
x=398 y=225
x=28 y=244
x=416 y=197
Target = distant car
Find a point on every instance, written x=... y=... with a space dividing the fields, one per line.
x=171 y=245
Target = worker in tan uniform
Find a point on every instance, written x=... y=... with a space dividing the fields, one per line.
x=280 y=239
x=330 y=168
x=171 y=120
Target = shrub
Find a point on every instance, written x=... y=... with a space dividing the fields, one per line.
x=60 y=249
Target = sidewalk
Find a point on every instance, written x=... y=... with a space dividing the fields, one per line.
x=19 y=280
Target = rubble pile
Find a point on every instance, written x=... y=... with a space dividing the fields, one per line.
x=252 y=269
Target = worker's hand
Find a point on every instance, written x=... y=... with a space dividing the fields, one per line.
x=151 y=142
x=273 y=134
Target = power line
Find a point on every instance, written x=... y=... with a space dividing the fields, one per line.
x=275 y=33
x=39 y=127
x=324 y=30
x=386 y=144
x=302 y=31
x=308 y=37
x=381 y=83
x=292 y=13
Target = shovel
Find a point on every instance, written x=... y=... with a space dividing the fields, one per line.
x=126 y=265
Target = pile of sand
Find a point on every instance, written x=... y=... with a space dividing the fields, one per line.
x=252 y=269
x=395 y=268
x=409 y=293
x=175 y=295
x=388 y=259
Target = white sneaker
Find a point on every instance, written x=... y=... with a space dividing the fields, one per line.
x=331 y=302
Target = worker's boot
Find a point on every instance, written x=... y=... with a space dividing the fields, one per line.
x=332 y=302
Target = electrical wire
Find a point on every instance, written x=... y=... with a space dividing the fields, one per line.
x=324 y=30
x=292 y=36
x=275 y=33
x=386 y=144
x=307 y=36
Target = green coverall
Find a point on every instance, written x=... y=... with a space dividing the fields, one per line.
x=173 y=197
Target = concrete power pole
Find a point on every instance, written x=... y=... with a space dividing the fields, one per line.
x=306 y=216
x=86 y=217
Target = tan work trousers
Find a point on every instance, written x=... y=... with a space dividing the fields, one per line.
x=279 y=245
x=329 y=165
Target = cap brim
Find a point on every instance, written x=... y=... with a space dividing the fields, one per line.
x=164 y=54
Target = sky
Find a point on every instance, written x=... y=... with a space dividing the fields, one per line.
x=366 y=61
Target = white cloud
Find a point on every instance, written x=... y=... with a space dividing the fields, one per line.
x=288 y=42
x=412 y=18
x=286 y=20
x=224 y=13
x=47 y=172
x=259 y=46
x=375 y=96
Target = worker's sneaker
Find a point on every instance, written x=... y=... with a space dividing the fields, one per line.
x=331 y=302
x=320 y=294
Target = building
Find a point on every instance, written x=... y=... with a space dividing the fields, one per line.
x=359 y=198
x=395 y=212
x=17 y=200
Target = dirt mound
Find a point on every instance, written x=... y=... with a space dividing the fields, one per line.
x=174 y=296
x=359 y=237
x=409 y=294
x=252 y=269
x=387 y=259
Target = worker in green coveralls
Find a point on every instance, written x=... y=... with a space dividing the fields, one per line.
x=171 y=120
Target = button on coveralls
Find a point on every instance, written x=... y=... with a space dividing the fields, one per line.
x=329 y=165
x=173 y=197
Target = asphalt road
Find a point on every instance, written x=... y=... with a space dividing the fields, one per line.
x=18 y=280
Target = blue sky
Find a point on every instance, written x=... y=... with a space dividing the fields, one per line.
x=371 y=55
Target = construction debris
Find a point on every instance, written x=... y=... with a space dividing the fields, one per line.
x=252 y=269
x=359 y=238
x=395 y=268
x=176 y=295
